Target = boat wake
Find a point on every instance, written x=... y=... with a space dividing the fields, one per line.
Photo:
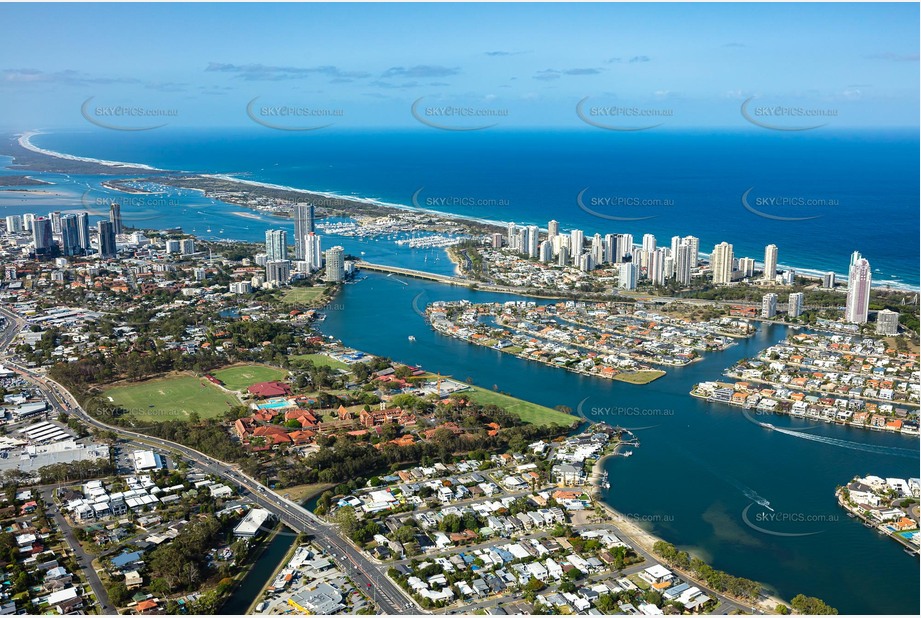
x=744 y=489
x=894 y=451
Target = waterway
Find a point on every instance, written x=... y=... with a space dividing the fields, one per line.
x=258 y=576
x=704 y=472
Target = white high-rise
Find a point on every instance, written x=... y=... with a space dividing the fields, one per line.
x=694 y=243
x=14 y=224
x=683 y=263
x=721 y=263
x=597 y=250
x=770 y=263
x=626 y=245
x=858 y=292
x=769 y=305
x=513 y=237
x=576 y=242
x=335 y=264
x=795 y=304
x=533 y=240
x=276 y=245
x=655 y=269
x=626 y=276
x=313 y=251
x=553 y=228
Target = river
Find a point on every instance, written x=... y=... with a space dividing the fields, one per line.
x=703 y=471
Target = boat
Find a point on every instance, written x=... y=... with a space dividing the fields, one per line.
x=767 y=426
x=412 y=337
x=628 y=453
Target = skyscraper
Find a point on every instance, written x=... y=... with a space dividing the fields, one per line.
x=70 y=241
x=313 y=252
x=795 y=304
x=683 y=263
x=626 y=276
x=769 y=305
x=106 y=241
x=887 y=322
x=553 y=228
x=649 y=242
x=610 y=248
x=27 y=220
x=546 y=251
x=721 y=263
x=83 y=232
x=597 y=250
x=303 y=225
x=828 y=280
x=655 y=270
x=115 y=217
x=747 y=266
x=694 y=243
x=858 y=292
x=55 y=218
x=563 y=256
x=42 y=235
x=276 y=245
x=533 y=240
x=626 y=245
x=335 y=264
x=278 y=271
x=14 y=224
x=513 y=237
x=770 y=263
x=576 y=242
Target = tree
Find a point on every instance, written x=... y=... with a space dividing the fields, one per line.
x=812 y=605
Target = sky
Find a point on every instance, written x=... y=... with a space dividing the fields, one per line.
x=461 y=66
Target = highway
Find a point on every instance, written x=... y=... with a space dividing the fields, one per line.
x=369 y=577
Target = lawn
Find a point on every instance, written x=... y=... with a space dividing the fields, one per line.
x=170 y=399
x=321 y=360
x=241 y=377
x=302 y=296
x=640 y=377
x=527 y=411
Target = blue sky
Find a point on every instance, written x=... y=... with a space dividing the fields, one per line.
x=530 y=64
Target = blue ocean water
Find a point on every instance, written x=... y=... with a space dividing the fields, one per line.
x=855 y=190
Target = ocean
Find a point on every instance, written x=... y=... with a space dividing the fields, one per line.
x=817 y=195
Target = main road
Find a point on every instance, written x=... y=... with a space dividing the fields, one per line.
x=367 y=575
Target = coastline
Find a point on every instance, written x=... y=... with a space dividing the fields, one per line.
x=24 y=141
x=647 y=540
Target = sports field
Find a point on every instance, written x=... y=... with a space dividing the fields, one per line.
x=320 y=360
x=241 y=377
x=302 y=296
x=528 y=412
x=171 y=398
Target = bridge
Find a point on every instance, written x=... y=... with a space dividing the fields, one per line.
x=418 y=274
